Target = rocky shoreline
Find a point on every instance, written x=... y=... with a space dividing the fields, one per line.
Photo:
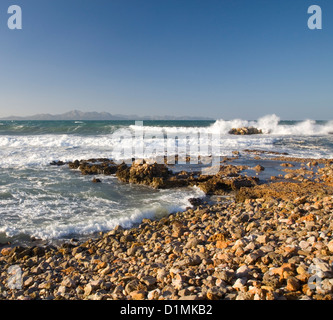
x=269 y=241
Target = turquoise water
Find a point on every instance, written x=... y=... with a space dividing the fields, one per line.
x=104 y=127
x=84 y=127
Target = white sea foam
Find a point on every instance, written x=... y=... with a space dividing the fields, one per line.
x=37 y=150
x=269 y=124
x=48 y=216
x=277 y=135
x=40 y=150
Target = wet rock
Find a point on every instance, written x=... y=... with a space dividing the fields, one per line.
x=154 y=175
x=245 y=131
x=74 y=165
x=57 y=163
x=95 y=166
x=290 y=176
x=195 y=201
x=259 y=168
x=286 y=164
x=282 y=190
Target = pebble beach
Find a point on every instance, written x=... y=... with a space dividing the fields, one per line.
x=263 y=241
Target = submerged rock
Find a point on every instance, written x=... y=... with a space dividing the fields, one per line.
x=259 y=168
x=195 y=201
x=57 y=163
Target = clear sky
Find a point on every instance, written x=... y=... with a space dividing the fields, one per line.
x=216 y=58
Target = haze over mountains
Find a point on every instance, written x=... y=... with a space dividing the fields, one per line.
x=79 y=115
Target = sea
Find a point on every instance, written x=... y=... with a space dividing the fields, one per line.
x=40 y=201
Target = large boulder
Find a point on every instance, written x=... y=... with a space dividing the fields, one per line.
x=153 y=175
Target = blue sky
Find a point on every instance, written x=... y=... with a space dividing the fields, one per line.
x=216 y=58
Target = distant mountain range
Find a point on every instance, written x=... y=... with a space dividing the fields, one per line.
x=79 y=115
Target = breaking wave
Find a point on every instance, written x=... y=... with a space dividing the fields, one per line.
x=271 y=124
